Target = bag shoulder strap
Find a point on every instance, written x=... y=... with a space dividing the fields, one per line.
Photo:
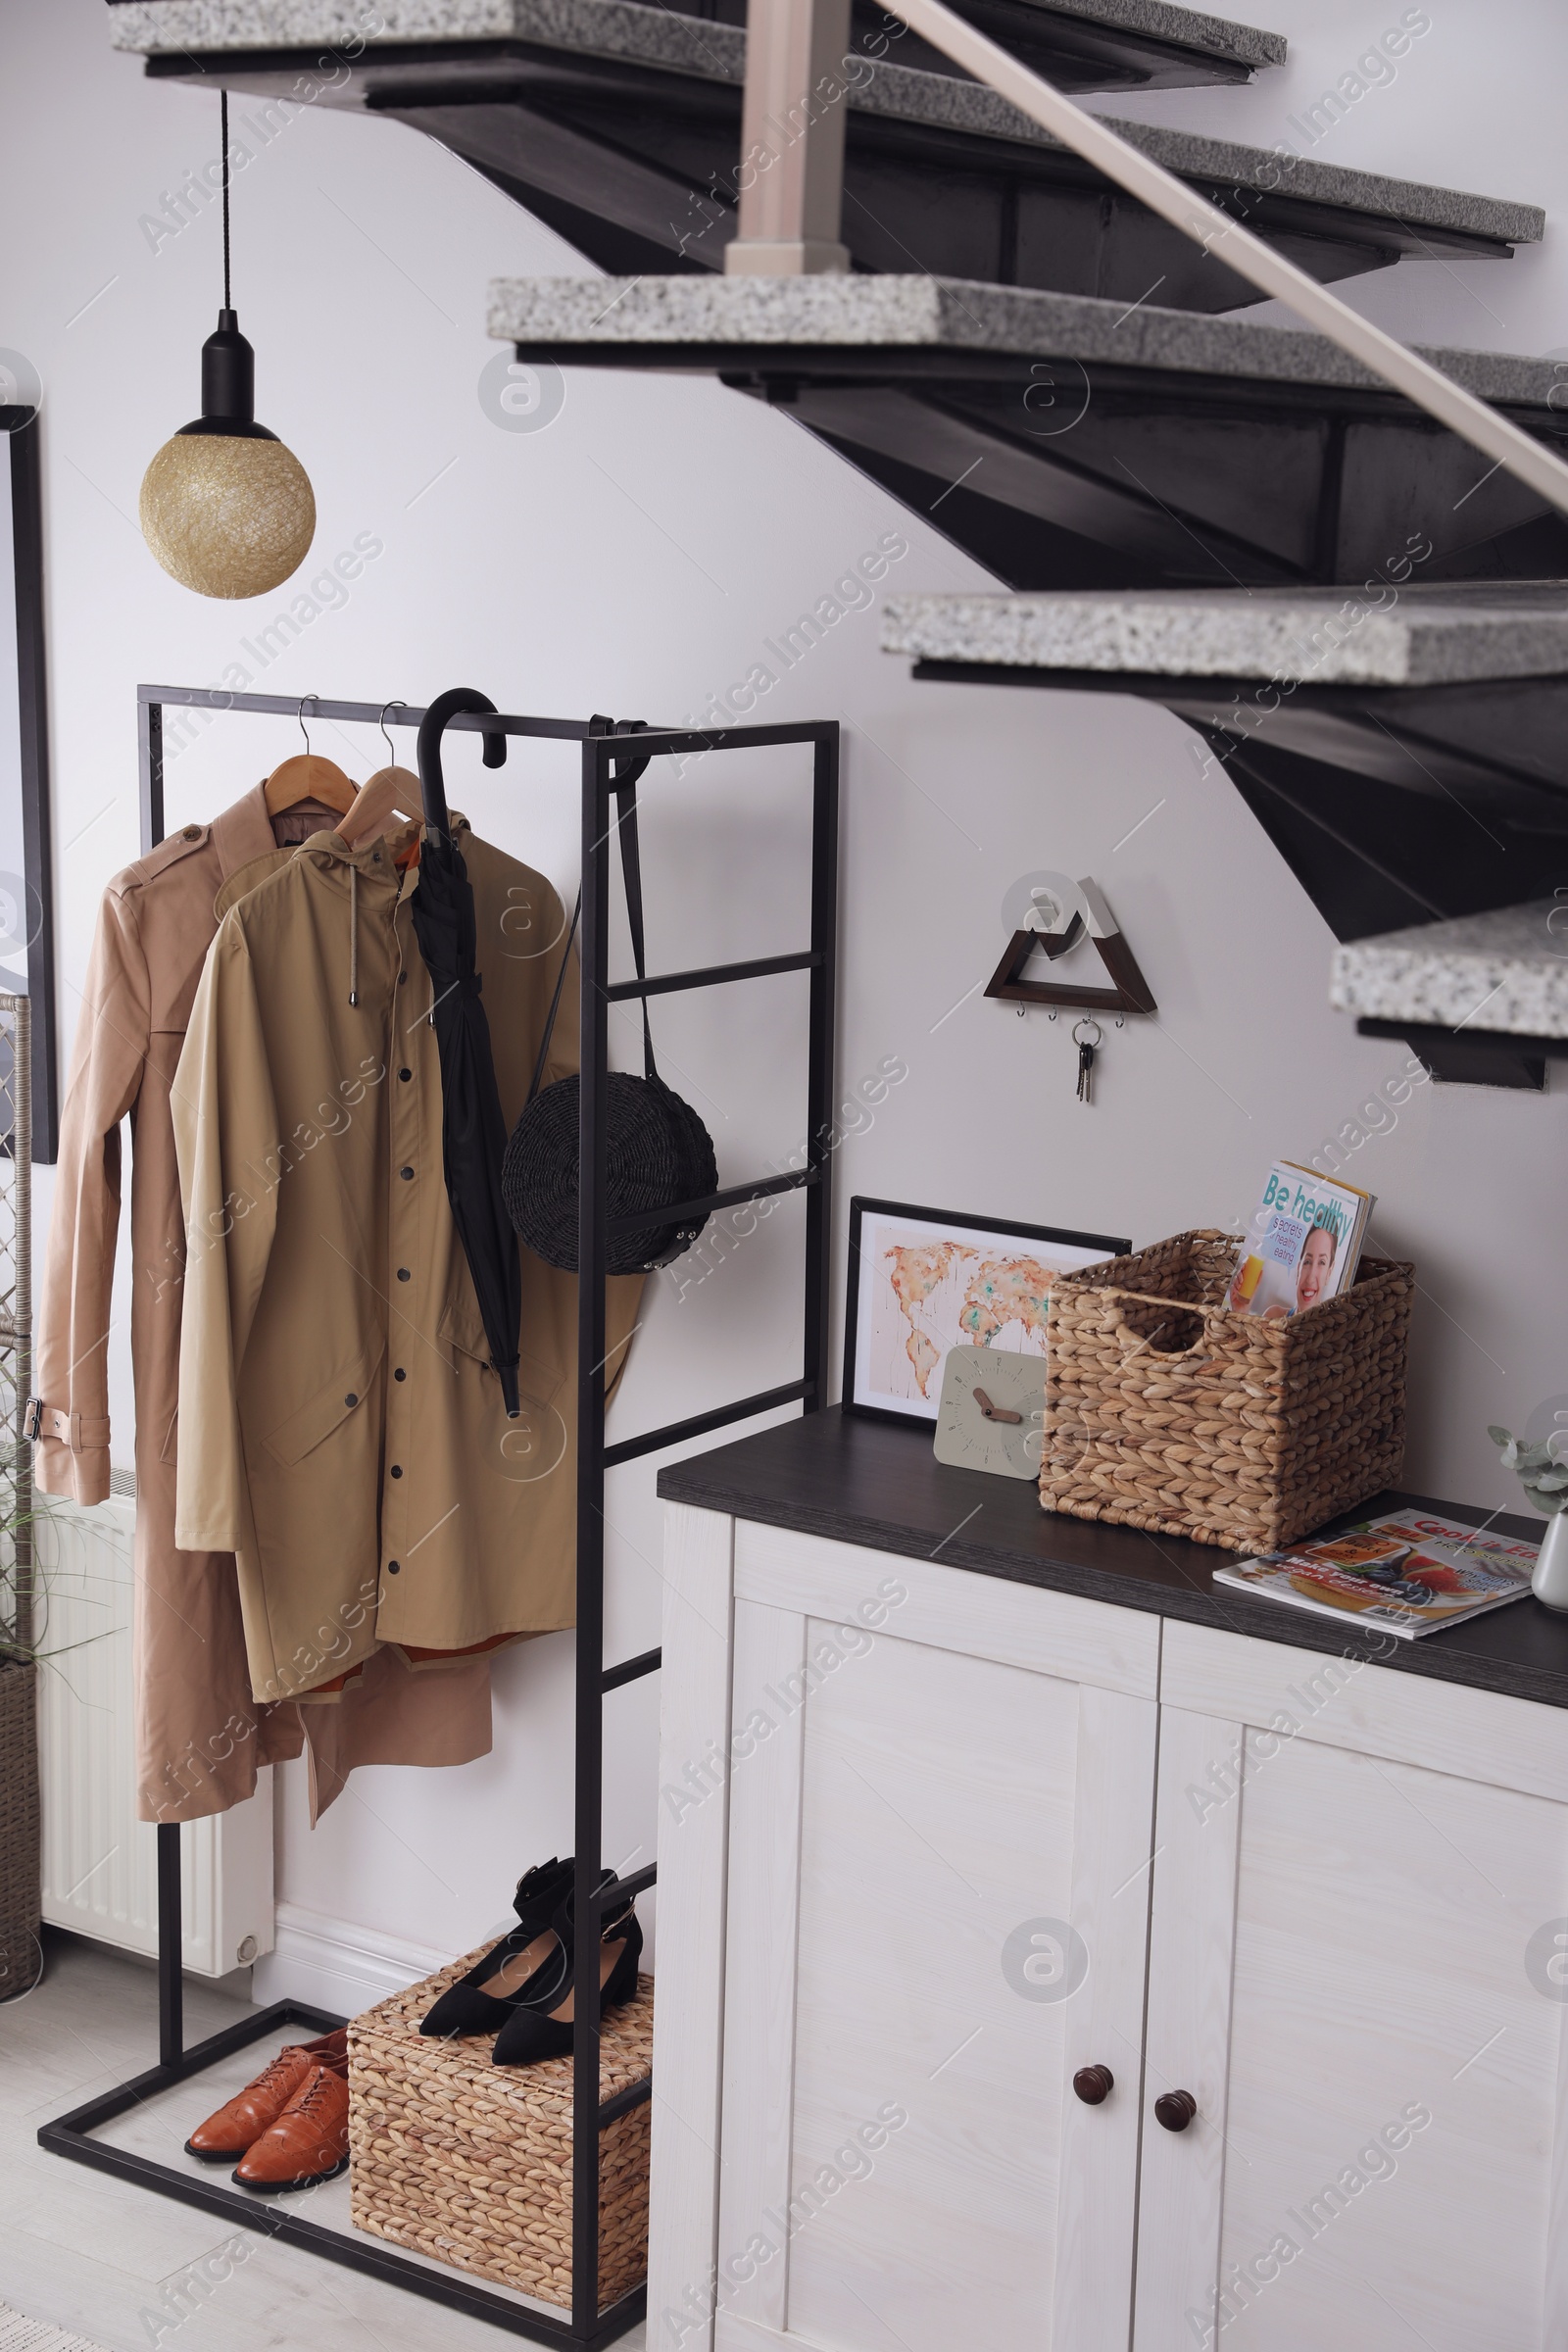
x=632 y=875
x=628 y=772
x=555 y=1005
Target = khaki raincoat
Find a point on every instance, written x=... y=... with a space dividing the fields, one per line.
x=200 y=1734
x=340 y=1426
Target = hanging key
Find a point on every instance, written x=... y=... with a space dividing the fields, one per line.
x=1086 y=1058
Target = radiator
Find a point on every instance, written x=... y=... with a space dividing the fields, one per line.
x=100 y=1863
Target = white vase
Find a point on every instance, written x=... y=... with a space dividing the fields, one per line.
x=1549 y=1581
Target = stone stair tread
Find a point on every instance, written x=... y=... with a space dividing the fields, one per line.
x=968 y=106
x=211 y=25
x=1190 y=28
x=1388 y=636
x=1506 y=971
x=663 y=38
x=712 y=315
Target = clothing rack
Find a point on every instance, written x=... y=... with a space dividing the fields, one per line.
x=73 y=2135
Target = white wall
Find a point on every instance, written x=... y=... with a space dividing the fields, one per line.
x=631 y=558
x=1471 y=104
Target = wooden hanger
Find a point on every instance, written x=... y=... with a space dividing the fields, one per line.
x=392 y=791
x=307 y=776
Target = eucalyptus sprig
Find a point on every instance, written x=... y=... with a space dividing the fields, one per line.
x=1542 y=1474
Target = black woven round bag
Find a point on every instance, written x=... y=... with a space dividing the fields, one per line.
x=658 y=1151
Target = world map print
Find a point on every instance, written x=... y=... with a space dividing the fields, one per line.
x=928 y=1296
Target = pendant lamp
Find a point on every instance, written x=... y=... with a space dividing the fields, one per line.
x=227 y=509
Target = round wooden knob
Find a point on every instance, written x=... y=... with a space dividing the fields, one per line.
x=1175 y=2109
x=1093 y=2084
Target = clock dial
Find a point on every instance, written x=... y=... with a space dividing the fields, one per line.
x=992 y=1411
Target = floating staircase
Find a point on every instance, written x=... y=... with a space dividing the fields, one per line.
x=1070 y=442
x=1028 y=358
x=1403 y=746
x=619 y=125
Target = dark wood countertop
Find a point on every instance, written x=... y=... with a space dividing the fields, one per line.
x=870 y=1482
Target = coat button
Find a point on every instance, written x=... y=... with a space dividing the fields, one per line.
x=403 y=979
x=404 y=1075
x=392 y=1568
x=404 y=1275
x=396 y=1471
x=351 y=1398
x=407 y=1175
x=192 y=833
x=400 y=1374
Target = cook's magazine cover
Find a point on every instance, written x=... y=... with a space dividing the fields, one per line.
x=1408 y=1573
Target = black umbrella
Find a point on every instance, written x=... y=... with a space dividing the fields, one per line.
x=474 y=1134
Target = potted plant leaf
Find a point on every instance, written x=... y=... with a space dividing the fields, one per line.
x=1544 y=1475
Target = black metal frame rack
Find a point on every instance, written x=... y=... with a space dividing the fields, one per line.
x=72 y=2135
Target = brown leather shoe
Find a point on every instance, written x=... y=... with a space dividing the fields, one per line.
x=310 y=2141
x=225 y=2135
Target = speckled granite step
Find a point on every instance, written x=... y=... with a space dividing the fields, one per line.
x=1413 y=636
x=1505 y=971
x=257 y=24
x=968 y=106
x=661 y=38
x=708 y=320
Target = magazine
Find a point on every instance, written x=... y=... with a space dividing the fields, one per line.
x=1407 y=1573
x=1303 y=1244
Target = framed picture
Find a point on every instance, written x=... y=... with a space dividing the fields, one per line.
x=27 y=888
x=924 y=1280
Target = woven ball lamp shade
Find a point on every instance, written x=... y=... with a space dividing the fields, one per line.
x=227 y=514
x=225 y=507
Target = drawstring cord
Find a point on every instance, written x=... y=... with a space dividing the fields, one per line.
x=354 y=934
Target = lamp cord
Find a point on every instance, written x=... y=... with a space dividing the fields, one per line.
x=223 y=101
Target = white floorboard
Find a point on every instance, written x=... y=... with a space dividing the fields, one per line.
x=101 y=2258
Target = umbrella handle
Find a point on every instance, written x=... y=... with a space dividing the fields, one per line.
x=457 y=701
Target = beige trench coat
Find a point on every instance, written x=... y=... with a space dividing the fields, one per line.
x=200 y=1736
x=340 y=1426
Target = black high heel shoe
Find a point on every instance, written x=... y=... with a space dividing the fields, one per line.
x=482 y=2001
x=539 y=2024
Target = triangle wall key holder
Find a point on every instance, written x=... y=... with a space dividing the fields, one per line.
x=1131 y=993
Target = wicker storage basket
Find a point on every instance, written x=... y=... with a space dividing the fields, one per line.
x=20 y=1952
x=471 y=2163
x=1164 y=1409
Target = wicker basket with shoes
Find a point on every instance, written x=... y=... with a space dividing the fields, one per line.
x=471 y=2163
x=1164 y=1409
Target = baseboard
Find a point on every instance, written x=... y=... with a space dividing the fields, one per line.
x=336 y=1964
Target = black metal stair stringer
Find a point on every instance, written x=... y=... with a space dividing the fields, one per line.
x=607 y=116
x=948 y=436
x=1162 y=474
x=1386 y=802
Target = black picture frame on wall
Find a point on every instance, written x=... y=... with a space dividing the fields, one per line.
x=21 y=523
x=1061 y=1248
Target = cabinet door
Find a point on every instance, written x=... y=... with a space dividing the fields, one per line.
x=1360 y=1914
x=941 y=1797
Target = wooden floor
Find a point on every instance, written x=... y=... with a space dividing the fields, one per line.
x=106 y=2259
